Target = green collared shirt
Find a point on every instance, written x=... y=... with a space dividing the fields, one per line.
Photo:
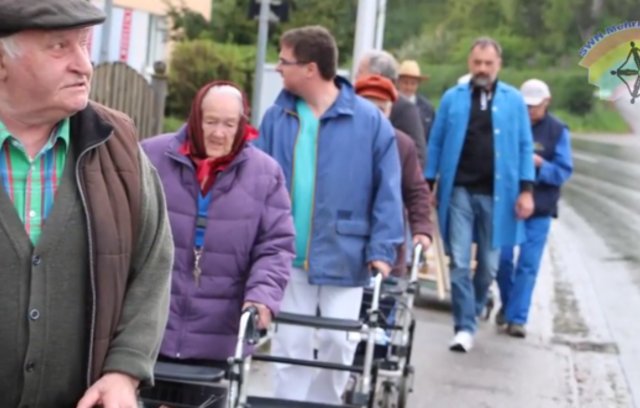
x=31 y=183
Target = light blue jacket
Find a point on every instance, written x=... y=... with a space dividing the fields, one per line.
x=513 y=143
x=357 y=210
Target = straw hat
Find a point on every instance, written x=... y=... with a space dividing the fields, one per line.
x=410 y=68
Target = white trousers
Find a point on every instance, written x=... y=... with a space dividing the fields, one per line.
x=305 y=383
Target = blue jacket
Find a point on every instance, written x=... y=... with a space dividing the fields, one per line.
x=513 y=155
x=357 y=210
x=552 y=143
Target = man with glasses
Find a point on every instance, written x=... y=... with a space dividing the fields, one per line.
x=341 y=164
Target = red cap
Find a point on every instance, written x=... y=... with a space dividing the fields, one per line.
x=378 y=87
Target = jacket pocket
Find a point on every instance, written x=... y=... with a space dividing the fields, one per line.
x=353 y=227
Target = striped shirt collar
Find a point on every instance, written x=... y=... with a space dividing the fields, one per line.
x=62 y=132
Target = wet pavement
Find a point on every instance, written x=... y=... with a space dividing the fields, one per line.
x=630 y=112
x=583 y=343
x=583 y=347
x=605 y=190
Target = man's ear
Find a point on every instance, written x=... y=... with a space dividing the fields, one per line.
x=3 y=64
x=312 y=68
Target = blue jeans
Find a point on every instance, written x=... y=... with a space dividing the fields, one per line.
x=470 y=218
x=518 y=279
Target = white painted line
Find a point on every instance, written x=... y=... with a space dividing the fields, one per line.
x=585 y=157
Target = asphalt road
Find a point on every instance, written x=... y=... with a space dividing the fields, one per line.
x=583 y=346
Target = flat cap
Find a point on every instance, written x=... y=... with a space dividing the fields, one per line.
x=19 y=15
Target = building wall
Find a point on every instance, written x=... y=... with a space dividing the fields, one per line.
x=158 y=6
x=139 y=33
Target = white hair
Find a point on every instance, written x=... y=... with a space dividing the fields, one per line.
x=10 y=46
x=228 y=90
x=381 y=62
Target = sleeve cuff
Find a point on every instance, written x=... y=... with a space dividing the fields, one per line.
x=258 y=296
x=526 y=186
x=381 y=252
x=132 y=363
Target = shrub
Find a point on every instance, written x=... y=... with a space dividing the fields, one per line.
x=172 y=123
x=195 y=63
x=570 y=89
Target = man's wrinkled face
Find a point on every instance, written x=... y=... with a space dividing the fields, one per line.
x=537 y=112
x=484 y=65
x=50 y=73
x=408 y=86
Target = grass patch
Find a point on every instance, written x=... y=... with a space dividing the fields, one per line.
x=603 y=118
x=172 y=124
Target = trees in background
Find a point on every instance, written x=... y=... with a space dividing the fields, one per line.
x=539 y=37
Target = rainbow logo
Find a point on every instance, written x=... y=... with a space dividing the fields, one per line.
x=613 y=60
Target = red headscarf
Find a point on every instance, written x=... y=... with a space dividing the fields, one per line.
x=194 y=147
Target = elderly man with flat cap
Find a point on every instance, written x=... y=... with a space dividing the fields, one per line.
x=85 y=245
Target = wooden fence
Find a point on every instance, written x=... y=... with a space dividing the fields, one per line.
x=118 y=86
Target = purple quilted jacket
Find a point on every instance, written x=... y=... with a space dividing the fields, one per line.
x=247 y=253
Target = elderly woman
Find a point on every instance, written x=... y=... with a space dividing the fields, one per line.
x=232 y=228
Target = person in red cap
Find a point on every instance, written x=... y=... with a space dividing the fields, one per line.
x=416 y=194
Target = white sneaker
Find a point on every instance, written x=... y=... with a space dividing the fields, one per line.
x=462 y=342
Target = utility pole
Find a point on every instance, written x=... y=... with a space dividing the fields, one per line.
x=382 y=16
x=106 y=32
x=365 y=31
x=263 y=34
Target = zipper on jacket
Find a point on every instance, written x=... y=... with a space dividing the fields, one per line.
x=187 y=302
x=92 y=277
x=305 y=264
x=313 y=201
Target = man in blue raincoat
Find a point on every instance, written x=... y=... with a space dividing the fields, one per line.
x=481 y=155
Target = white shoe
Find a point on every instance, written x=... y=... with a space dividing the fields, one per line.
x=462 y=342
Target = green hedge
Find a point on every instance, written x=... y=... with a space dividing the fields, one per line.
x=603 y=118
x=195 y=63
x=570 y=89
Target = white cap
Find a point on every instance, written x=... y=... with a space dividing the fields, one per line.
x=534 y=92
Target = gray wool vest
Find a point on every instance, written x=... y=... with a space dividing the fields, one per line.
x=43 y=331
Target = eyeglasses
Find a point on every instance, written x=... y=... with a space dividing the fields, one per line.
x=282 y=61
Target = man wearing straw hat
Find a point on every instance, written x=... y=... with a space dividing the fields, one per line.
x=409 y=79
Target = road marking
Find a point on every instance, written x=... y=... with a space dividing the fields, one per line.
x=585 y=157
